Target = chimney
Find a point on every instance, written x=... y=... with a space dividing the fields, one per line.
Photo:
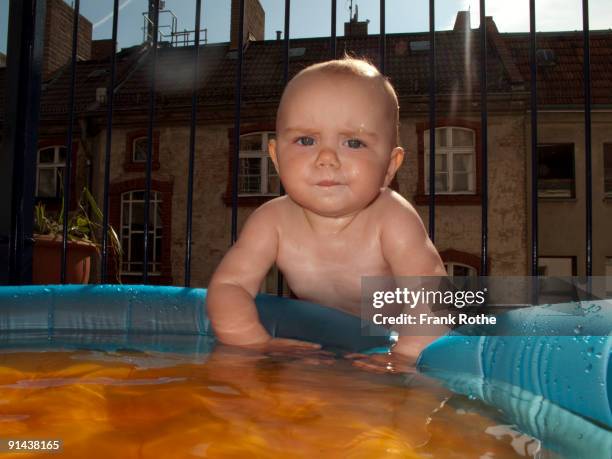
x=462 y=22
x=254 y=22
x=279 y=34
x=102 y=49
x=356 y=28
x=58 y=37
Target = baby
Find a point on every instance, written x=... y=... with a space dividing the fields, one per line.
x=336 y=152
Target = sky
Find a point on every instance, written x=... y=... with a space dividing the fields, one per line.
x=311 y=18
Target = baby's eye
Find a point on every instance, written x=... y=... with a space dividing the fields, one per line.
x=305 y=141
x=355 y=143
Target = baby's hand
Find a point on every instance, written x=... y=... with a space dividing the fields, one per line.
x=308 y=352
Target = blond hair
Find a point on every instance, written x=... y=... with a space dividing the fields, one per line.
x=360 y=68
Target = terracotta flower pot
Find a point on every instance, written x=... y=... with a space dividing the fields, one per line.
x=47 y=260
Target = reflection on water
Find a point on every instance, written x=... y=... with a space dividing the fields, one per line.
x=237 y=403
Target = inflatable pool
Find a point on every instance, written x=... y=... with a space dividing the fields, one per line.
x=569 y=373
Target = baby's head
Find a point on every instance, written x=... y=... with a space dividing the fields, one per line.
x=337 y=141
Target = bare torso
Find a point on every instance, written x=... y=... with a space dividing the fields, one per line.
x=327 y=267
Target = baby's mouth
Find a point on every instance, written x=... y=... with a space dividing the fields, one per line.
x=328 y=183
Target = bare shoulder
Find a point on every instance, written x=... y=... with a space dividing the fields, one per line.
x=404 y=239
x=269 y=214
x=394 y=209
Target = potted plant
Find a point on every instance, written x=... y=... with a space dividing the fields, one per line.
x=82 y=243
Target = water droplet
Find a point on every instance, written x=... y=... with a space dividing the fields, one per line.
x=580 y=436
x=578 y=329
x=598 y=355
x=590 y=351
x=47 y=290
x=588 y=368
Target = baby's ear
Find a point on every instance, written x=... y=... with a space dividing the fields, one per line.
x=272 y=152
x=395 y=161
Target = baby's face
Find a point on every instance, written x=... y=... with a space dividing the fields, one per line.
x=334 y=147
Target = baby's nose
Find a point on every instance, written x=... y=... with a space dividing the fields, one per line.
x=327 y=158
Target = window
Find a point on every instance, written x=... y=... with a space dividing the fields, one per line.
x=556 y=170
x=132 y=232
x=607 y=151
x=139 y=150
x=256 y=173
x=557 y=266
x=455 y=161
x=136 y=145
x=50 y=165
x=459 y=270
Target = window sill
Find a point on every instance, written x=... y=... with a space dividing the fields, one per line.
x=249 y=201
x=450 y=199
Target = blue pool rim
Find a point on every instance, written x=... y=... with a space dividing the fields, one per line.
x=572 y=372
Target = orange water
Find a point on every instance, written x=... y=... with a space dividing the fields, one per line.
x=236 y=404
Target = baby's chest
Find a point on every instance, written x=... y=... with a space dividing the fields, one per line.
x=334 y=267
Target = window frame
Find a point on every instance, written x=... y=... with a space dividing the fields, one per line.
x=129 y=165
x=165 y=190
x=245 y=129
x=450 y=151
x=458 y=257
x=452 y=264
x=265 y=165
x=462 y=198
x=55 y=165
x=551 y=196
x=156 y=202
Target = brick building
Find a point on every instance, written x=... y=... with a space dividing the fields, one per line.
x=458 y=194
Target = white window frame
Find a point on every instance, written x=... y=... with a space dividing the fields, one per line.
x=127 y=231
x=449 y=151
x=134 y=160
x=56 y=165
x=265 y=164
x=449 y=265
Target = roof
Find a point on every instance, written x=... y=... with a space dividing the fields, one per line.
x=457 y=68
x=560 y=81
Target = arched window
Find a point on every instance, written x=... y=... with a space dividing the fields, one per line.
x=139 y=150
x=50 y=166
x=132 y=233
x=455 y=160
x=256 y=173
x=455 y=269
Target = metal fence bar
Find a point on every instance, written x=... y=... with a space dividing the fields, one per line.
x=110 y=97
x=382 y=39
x=149 y=167
x=279 y=277
x=432 y=121
x=238 y=96
x=587 y=137
x=534 y=138
x=192 y=139
x=26 y=30
x=68 y=168
x=333 y=39
x=484 y=138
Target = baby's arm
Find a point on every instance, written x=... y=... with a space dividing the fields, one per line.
x=409 y=251
x=237 y=280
